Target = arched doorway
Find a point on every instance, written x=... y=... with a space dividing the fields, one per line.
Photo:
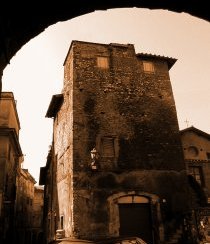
x=135 y=214
x=135 y=217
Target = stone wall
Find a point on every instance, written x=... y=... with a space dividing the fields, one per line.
x=112 y=99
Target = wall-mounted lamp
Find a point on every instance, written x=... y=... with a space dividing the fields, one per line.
x=94 y=156
x=164 y=200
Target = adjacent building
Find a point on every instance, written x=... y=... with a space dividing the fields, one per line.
x=50 y=211
x=116 y=146
x=196 y=149
x=24 y=206
x=37 y=215
x=21 y=203
x=10 y=158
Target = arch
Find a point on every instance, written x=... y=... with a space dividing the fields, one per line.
x=133 y=199
x=136 y=197
x=25 y=22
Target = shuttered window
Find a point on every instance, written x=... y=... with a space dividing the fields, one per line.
x=148 y=67
x=108 y=147
x=103 y=62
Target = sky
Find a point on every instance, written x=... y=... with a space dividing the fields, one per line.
x=36 y=72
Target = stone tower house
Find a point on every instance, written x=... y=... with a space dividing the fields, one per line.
x=116 y=144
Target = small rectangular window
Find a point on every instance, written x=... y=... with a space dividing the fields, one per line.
x=103 y=62
x=196 y=172
x=108 y=147
x=208 y=155
x=148 y=67
x=9 y=152
x=62 y=222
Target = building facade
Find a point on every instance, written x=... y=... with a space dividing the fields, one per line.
x=50 y=211
x=37 y=215
x=18 y=199
x=116 y=145
x=10 y=155
x=24 y=207
x=196 y=148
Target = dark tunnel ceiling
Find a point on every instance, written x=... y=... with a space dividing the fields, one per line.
x=21 y=22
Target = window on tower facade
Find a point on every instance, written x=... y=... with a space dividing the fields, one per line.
x=108 y=147
x=148 y=67
x=103 y=62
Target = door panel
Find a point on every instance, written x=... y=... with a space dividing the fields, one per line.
x=135 y=220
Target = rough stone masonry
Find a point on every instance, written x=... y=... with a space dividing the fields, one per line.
x=121 y=104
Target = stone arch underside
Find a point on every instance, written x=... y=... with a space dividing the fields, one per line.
x=19 y=24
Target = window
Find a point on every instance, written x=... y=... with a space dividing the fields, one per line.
x=9 y=152
x=49 y=225
x=55 y=223
x=6 y=183
x=103 y=62
x=208 y=155
x=108 y=147
x=148 y=67
x=193 y=151
x=62 y=222
x=196 y=172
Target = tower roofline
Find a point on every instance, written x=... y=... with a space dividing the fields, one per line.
x=95 y=43
x=170 y=61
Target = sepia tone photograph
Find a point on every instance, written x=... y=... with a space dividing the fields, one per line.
x=104 y=123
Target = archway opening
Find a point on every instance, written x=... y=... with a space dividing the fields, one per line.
x=37 y=69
